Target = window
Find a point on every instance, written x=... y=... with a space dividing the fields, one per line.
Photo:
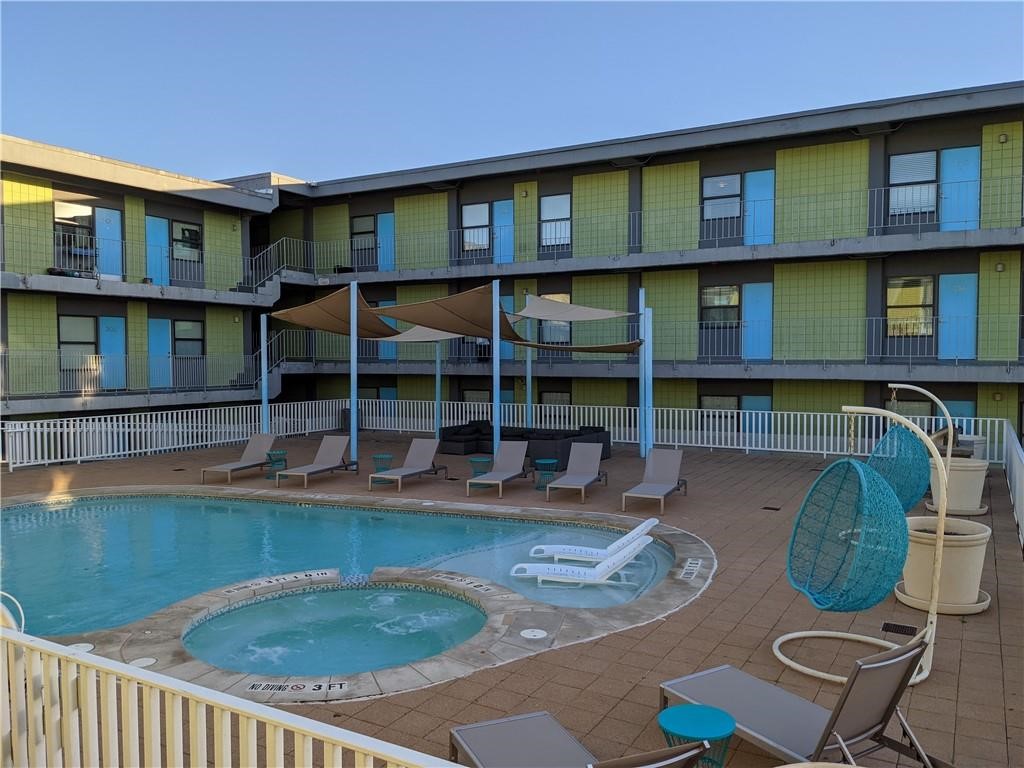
x=555 y=398
x=555 y=331
x=555 y=224
x=364 y=232
x=476 y=229
x=722 y=197
x=188 y=338
x=909 y=407
x=476 y=395
x=720 y=304
x=186 y=241
x=910 y=304
x=76 y=339
x=719 y=403
x=912 y=183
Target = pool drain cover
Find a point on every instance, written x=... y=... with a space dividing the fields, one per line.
x=145 y=661
x=533 y=634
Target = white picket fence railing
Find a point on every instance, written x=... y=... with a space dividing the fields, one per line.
x=1015 y=477
x=89 y=438
x=66 y=707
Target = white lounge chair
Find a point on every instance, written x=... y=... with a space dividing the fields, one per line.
x=254 y=455
x=584 y=469
x=508 y=465
x=419 y=461
x=661 y=477
x=605 y=572
x=329 y=457
x=592 y=554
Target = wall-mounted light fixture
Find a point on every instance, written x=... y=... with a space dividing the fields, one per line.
x=1000 y=267
x=525 y=193
x=1003 y=138
x=997 y=396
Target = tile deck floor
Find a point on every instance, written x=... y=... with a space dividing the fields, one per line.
x=969 y=711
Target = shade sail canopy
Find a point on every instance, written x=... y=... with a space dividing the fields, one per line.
x=540 y=308
x=331 y=313
x=419 y=333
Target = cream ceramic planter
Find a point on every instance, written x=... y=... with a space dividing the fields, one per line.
x=966 y=485
x=963 y=557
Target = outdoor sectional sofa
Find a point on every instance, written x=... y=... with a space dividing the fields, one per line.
x=478 y=437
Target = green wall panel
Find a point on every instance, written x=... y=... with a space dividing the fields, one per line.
x=673 y=298
x=286 y=223
x=601 y=292
x=138 y=344
x=222 y=240
x=135 y=237
x=526 y=204
x=998 y=305
x=671 y=206
x=32 y=327
x=408 y=294
x=1006 y=407
x=28 y=224
x=599 y=391
x=816 y=396
x=421 y=231
x=332 y=387
x=1001 y=166
x=521 y=288
x=224 y=345
x=675 y=393
x=819 y=310
x=331 y=233
x=821 y=191
x=415 y=387
x=600 y=214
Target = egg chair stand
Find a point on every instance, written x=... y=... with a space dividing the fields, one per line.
x=929 y=631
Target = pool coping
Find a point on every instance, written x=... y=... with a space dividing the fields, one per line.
x=159 y=635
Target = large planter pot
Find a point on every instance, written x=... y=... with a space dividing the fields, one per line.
x=963 y=557
x=965 y=487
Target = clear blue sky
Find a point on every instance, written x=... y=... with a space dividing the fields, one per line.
x=325 y=90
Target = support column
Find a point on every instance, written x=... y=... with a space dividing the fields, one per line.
x=529 y=367
x=641 y=367
x=496 y=363
x=264 y=374
x=648 y=383
x=437 y=389
x=353 y=370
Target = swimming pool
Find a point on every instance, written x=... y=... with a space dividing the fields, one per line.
x=94 y=563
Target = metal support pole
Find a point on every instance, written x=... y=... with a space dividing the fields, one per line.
x=641 y=367
x=648 y=354
x=353 y=370
x=496 y=362
x=529 y=368
x=437 y=389
x=264 y=375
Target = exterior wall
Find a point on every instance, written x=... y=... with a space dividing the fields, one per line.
x=525 y=213
x=286 y=223
x=821 y=191
x=138 y=344
x=1004 y=408
x=407 y=294
x=599 y=392
x=32 y=327
x=999 y=305
x=816 y=396
x=28 y=224
x=671 y=206
x=600 y=214
x=675 y=393
x=414 y=387
x=819 y=310
x=421 y=231
x=520 y=289
x=602 y=292
x=1001 y=168
x=332 y=387
x=222 y=235
x=331 y=227
x=135 y=235
x=225 y=343
x=673 y=298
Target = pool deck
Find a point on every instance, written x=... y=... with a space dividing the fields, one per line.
x=970 y=710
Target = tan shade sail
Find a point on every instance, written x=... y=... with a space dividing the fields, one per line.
x=419 y=333
x=540 y=308
x=331 y=313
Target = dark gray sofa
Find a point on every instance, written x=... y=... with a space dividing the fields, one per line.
x=477 y=437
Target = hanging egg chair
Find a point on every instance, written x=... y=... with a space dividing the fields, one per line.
x=903 y=461
x=849 y=540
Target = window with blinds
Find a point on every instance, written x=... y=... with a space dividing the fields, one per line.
x=912 y=183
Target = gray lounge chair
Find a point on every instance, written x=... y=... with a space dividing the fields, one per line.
x=419 y=461
x=508 y=465
x=661 y=477
x=584 y=469
x=329 y=457
x=538 y=740
x=797 y=730
x=254 y=455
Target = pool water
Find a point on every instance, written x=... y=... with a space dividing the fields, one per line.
x=334 y=631
x=91 y=564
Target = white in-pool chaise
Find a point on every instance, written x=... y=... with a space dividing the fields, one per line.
x=605 y=572
x=329 y=457
x=419 y=461
x=592 y=554
x=254 y=455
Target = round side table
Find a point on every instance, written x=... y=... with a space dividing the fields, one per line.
x=696 y=722
x=381 y=461
x=480 y=465
x=545 y=472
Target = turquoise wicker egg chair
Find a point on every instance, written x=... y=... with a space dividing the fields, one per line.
x=902 y=460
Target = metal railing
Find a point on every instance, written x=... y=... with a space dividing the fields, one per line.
x=1015 y=476
x=117 y=436
x=67 y=707
x=62 y=374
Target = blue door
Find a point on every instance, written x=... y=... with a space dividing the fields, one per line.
x=504 y=239
x=387 y=350
x=159 y=354
x=508 y=396
x=759 y=207
x=751 y=404
x=508 y=351
x=757 y=321
x=959 y=410
x=959 y=188
x=109 y=245
x=958 y=316
x=158 y=250
x=386 y=242
x=388 y=393
x=113 y=360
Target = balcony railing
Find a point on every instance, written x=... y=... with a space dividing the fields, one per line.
x=28 y=375
x=970 y=205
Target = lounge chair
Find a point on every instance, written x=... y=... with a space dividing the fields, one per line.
x=797 y=730
x=508 y=465
x=254 y=455
x=661 y=477
x=592 y=554
x=419 y=461
x=605 y=572
x=538 y=740
x=329 y=457
x=584 y=469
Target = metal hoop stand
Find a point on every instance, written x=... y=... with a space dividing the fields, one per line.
x=925 y=668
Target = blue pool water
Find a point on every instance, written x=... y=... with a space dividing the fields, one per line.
x=96 y=563
x=334 y=632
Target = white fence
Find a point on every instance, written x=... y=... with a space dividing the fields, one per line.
x=106 y=437
x=1015 y=477
x=66 y=707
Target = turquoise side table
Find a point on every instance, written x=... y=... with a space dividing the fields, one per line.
x=480 y=465
x=697 y=722
x=276 y=461
x=381 y=461
x=545 y=472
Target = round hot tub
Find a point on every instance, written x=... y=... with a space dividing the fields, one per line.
x=333 y=630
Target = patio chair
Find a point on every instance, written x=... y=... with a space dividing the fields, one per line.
x=605 y=572
x=661 y=477
x=254 y=455
x=419 y=461
x=538 y=740
x=797 y=730
x=508 y=465
x=329 y=457
x=592 y=554
x=583 y=470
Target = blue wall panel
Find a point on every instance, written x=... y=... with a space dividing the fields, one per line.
x=757 y=321
x=504 y=239
x=386 y=242
x=759 y=207
x=158 y=250
x=113 y=351
x=958 y=316
x=959 y=188
x=159 y=353
x=109 y=244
